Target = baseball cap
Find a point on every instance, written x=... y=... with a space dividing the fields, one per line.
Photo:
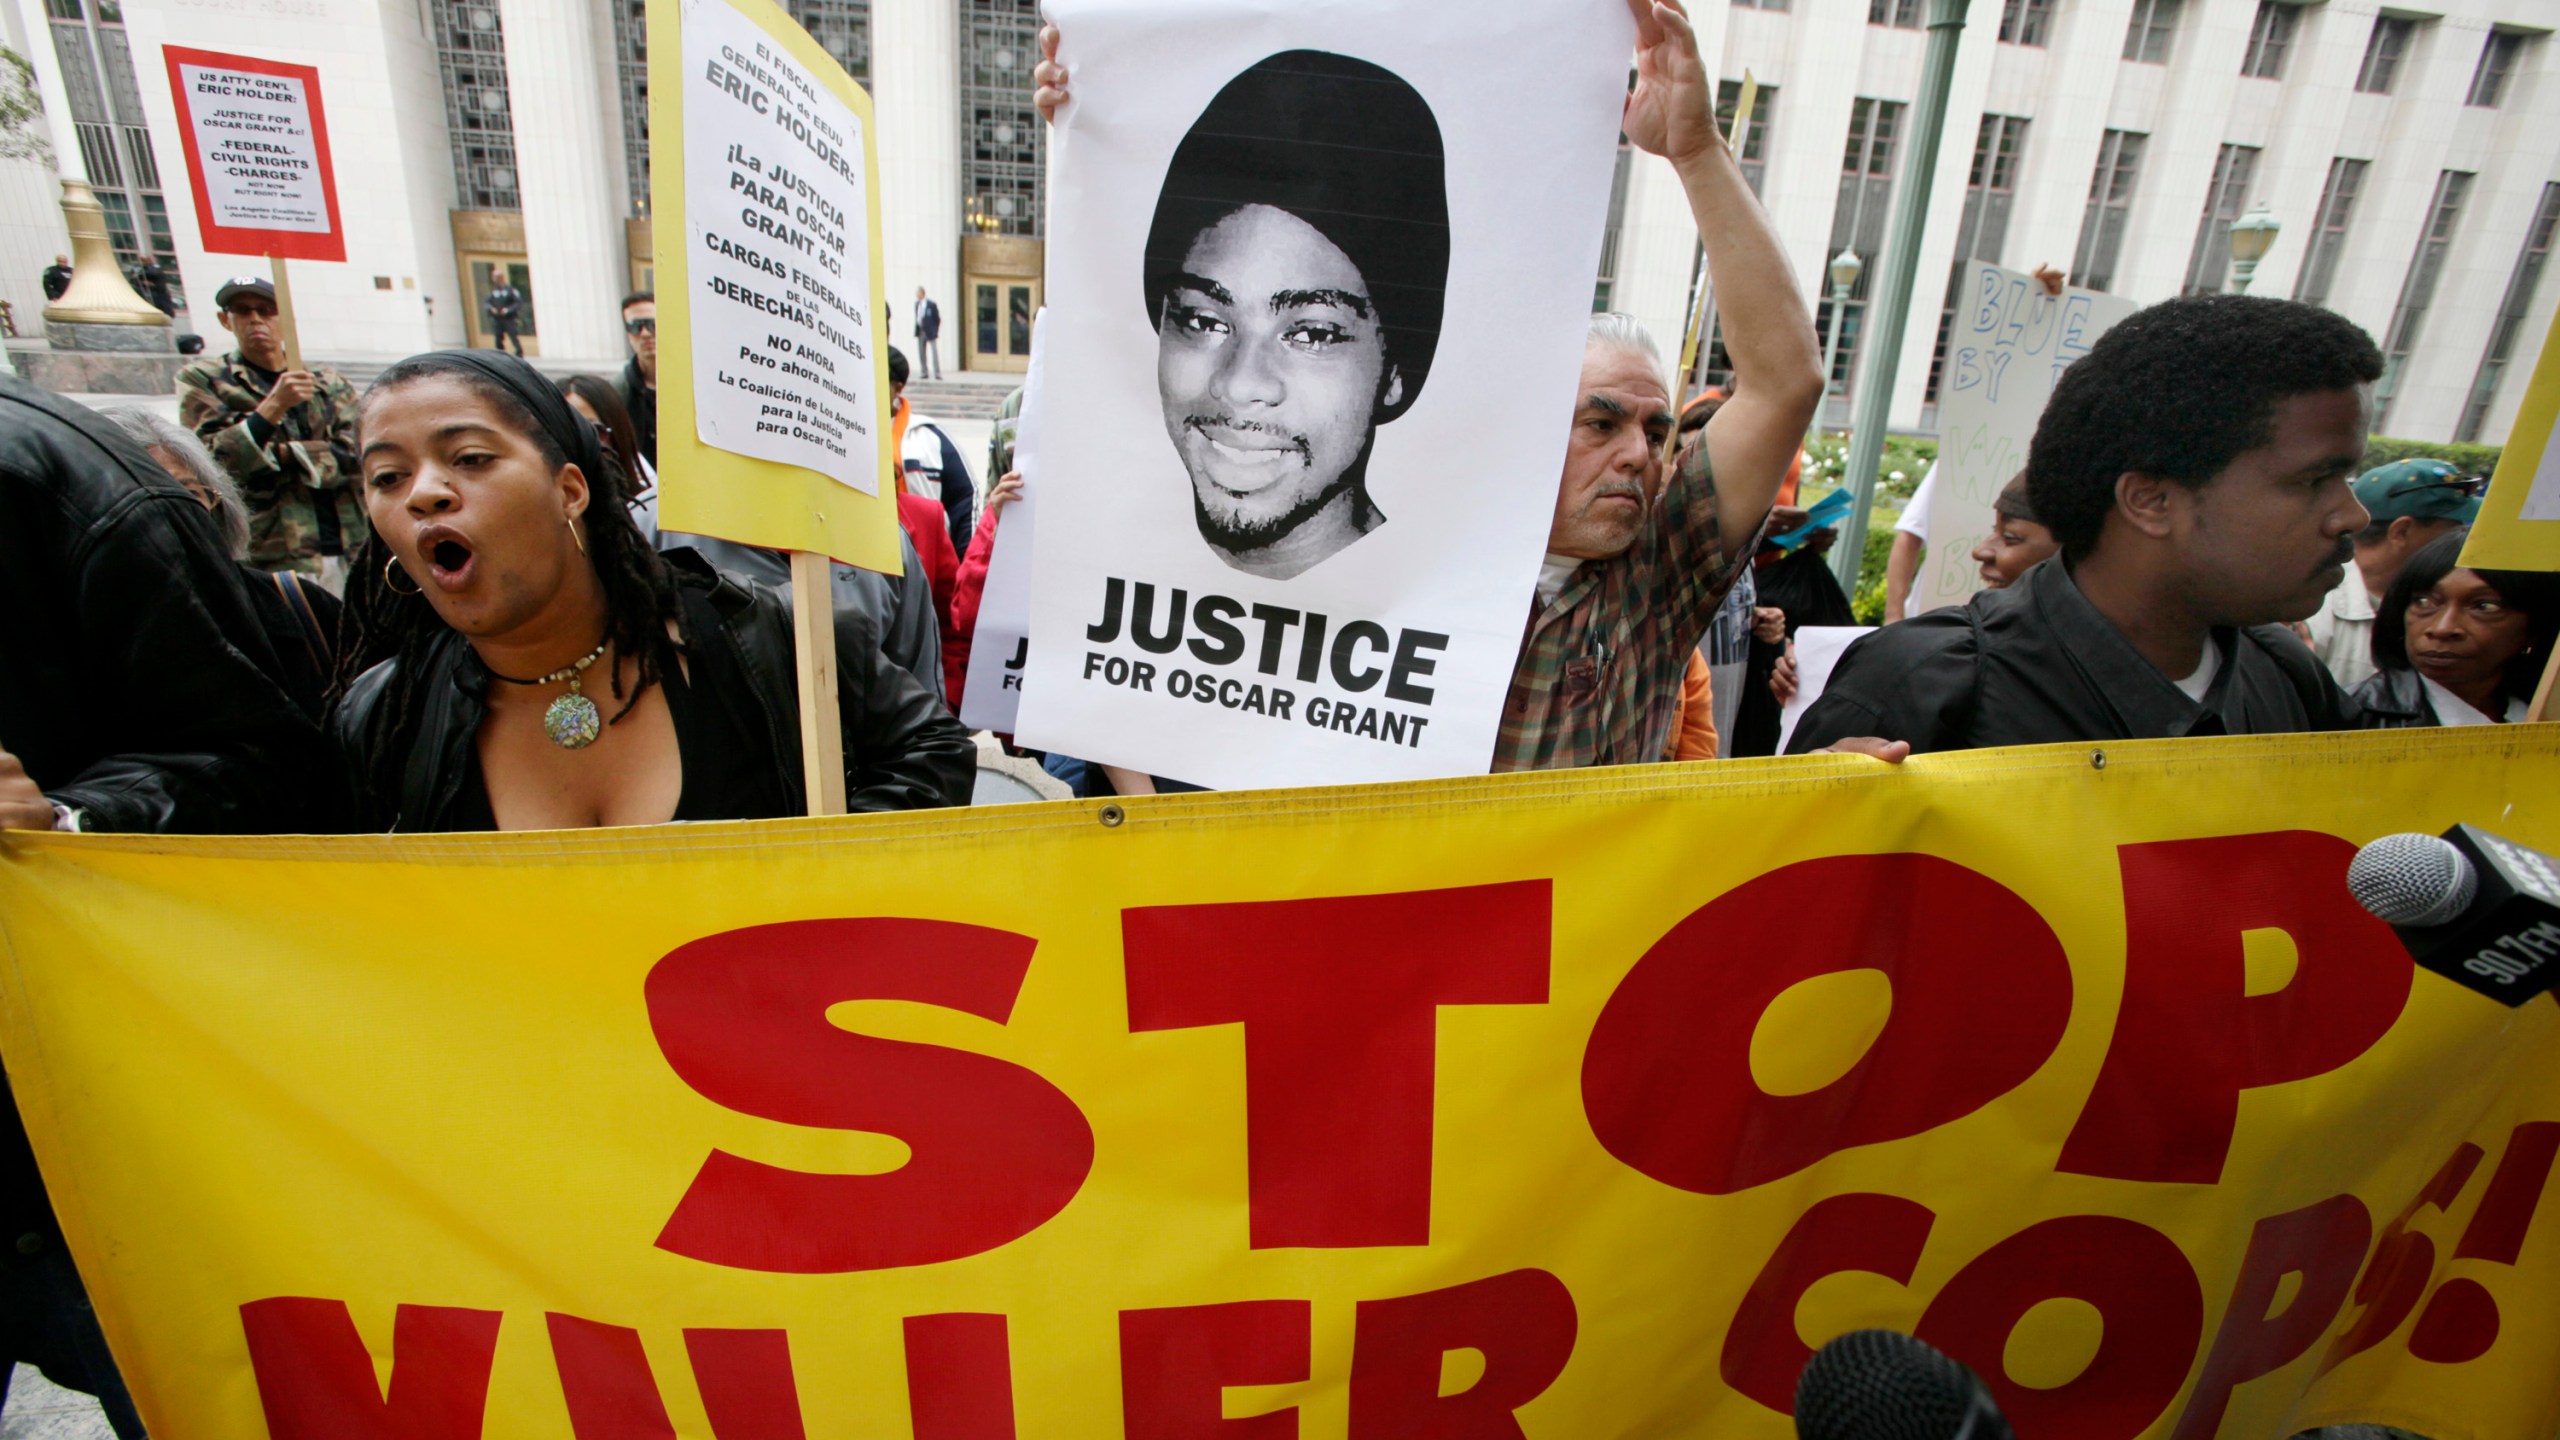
x=258 y=285
x=2419 y=489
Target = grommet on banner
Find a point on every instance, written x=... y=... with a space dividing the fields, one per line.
x=2097 y=759
x=1112 y=815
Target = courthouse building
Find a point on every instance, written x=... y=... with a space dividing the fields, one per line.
x=2409 y=153
x=469 y=135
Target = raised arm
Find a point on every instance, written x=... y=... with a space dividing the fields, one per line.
x=1767 y=330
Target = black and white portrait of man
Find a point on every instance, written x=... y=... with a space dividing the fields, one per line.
x=1295 y=274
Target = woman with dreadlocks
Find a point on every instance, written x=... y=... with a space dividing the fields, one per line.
x=515 y=657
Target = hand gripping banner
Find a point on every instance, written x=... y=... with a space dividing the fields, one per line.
x=1572 y=1105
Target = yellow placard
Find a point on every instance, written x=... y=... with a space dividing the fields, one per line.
x=2527 y=482
x=1586 y=1102
x=709 y=491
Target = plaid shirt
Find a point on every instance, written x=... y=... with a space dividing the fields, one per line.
x=1598 y=681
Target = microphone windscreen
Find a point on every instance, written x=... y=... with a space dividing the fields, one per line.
x=1883 y=1385
x=2412 y=880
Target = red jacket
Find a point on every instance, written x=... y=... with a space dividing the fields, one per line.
x=926 y=525
x=960 y=624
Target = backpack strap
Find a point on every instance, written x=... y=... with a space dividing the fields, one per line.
x=315 y=640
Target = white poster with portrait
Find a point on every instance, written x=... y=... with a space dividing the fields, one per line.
x=1318 y=277
x=2010 y=342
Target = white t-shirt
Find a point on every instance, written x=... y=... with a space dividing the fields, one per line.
x=1915 y=516
x=2197 y=684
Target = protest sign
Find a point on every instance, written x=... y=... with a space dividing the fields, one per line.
x=772 y=393
x=1000 y=645
x=257 y=148
x=1818 y=652
x=1318 y=289
x=2519 y=524
x=2008 y=346
x=1537 y=1090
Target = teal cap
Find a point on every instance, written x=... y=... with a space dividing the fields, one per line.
x=2419 y=489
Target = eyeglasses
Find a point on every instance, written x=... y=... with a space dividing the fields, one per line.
x=642 y=326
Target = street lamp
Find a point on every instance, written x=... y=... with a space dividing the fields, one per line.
x=2252 y=235
x=1845 y=267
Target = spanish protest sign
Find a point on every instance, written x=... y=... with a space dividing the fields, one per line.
x=1570 y=1104
x=1318 y=286
x=257 y=148
x=2007 y=347
x=2519 y=524
x=768 y=262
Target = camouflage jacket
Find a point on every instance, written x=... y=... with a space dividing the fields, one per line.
x=286 y=472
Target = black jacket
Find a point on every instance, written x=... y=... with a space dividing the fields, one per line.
x=902 y=750
x=641 y=399
x=899 y=607
x=2395 y=700
x=2036 y=663
x=136 y=682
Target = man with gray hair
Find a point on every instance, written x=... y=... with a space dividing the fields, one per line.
x=1636 y=566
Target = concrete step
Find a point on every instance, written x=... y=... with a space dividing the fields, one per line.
x=961 y=397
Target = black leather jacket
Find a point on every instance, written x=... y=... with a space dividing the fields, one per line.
x=902 y=750
x=900 y=606
x=136 y=682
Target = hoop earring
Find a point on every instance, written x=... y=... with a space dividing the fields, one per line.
x=391 y=567
x=576 y=534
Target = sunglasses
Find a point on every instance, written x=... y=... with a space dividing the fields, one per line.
x=641 y=326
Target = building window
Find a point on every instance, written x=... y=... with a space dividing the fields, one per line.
x=2419 y=289
x=471 y=56
x=96 y=64
x=2519 y=298
x=2383 y=52
x=1900 y=14
x=2024 y=22
x=2329 y=241
x=2270 y=36
x=2233 y=169
x=1866 y=196
x=1753 y=149
x=2093 y=261
x=1989 y=187
x=842 y=28
x=1759 y=4
x=2497 y=62
x=2154 y=25
x=631 y=50
x=1005 y=148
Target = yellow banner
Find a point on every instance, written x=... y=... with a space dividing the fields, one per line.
x=1574 y=1105
x=709 y=491
x=2519 y=524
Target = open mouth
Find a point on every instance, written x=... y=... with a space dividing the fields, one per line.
x=449 y=559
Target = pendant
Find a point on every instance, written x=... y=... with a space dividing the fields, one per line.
x=572 y=722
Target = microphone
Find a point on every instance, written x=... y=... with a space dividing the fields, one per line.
x=2476 y=908
x=1883 y=1385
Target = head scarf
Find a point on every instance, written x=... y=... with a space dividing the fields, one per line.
x=2013 y=503
x=573 y=433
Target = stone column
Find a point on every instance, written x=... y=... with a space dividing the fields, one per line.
x=915 y=66
x=566 y=169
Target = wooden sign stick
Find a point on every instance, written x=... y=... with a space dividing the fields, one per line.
x=2540 y=709
x=813 y=635
x=286 y=334
x=1689 y=343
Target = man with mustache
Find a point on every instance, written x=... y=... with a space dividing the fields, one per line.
x=2195 y=465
